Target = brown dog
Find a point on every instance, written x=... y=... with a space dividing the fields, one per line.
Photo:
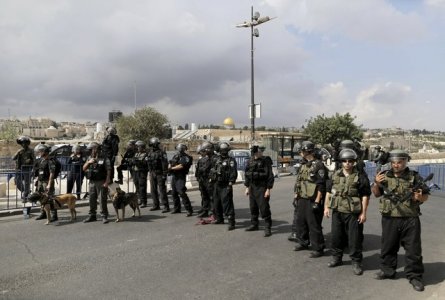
x=122 y=199
x=59 y=201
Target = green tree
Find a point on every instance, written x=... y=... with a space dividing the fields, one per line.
x=144 y=124
x=8 y=132
x=326 y=130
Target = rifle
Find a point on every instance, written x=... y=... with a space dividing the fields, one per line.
x=419 y=186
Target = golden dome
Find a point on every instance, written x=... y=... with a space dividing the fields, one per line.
x=229 y=122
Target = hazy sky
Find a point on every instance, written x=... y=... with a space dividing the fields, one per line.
x=382 y=61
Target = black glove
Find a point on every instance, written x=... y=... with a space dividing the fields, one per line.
x=316 y=207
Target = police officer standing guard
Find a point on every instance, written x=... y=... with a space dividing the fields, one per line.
x=75 y=174
x=45 y=173
x=202 y=173
x=224 y=174
x=140 y=169
x=126 y=162
x=98 y=170
x=158 y=168
x=179 y=167
x=348 y=197
x=402 y=192
x=310 y=188
x=110 y=147
x=259 y=181
x=24 y=162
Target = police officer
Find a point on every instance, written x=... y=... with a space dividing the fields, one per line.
x=140 y=171
x=380 y=157
x=202 y=174
x=259 y=181
x=98 y=170
x=158 y=168
x=179 y=167
x=293 y=237
x=110 y=147
x=402 y=191
x=310 y=189
x=348 y=197
x=45 y=173
x=24 y=162
x=126 y=161
x=224 y=173
x=75 y=171
x=353 y=145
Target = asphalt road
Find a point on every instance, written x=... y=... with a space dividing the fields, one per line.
x=161 y=256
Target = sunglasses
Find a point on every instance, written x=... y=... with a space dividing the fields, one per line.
x=350 y=161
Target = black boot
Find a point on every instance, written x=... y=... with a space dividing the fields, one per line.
x=267 y=229
x=252 y=227
x=231 y=224
x=54 y=216
x=91 y=218
x=42 y=215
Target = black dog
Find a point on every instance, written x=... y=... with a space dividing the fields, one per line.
x=122 y=199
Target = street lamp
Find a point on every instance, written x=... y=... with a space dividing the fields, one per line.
x=254 y=21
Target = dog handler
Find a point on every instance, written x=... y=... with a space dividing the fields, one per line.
x=98 y=171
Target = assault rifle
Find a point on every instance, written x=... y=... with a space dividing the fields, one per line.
x=419 y=186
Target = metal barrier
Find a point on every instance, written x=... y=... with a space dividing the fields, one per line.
x=13 y=184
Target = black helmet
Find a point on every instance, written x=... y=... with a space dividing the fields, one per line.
x=42 y=148
x=140 y=143
x=377 y=148
x=224 y=148
x=307 y=146
x=256 y=147
x=208 y=147
x=23 y=140
x=111 y=130
x=347 y=144
x=181 y=147
x=347 y=154
x=398 y=155
x=93 y=145
x=154 y=142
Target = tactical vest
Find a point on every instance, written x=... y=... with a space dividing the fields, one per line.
x=203 y=168
x=140 y=162
x=43 y=170
x=257 y=170
x=345 y=196
x=24 y=157
x=154 y=160
x=97 y=170
x=223 y=169
x=400 y=187
x=305 y=185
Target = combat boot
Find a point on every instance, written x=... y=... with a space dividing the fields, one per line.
x=267 y=229
x=91 y=218
x=54 y=217
x=231 y=225
x=252 y=227
x=42 y=215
